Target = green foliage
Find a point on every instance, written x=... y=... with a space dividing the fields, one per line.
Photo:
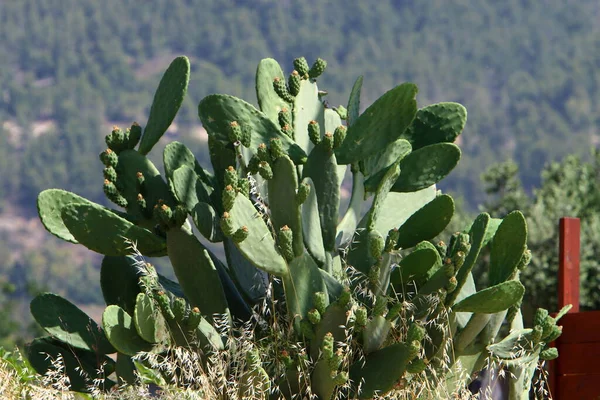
x=352 y=316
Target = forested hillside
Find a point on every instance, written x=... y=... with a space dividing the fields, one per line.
x=527 y=71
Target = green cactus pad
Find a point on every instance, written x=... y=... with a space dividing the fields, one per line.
x=176 y=155
x=437 y=123
x=167 y=100
x=311 y=225
x=282 y=199
x=125 y=370
x=380 y=370
x=207 y=221
x=375 y=333
x=119 y=281
x=493 y=299
x=149 y=322
x=347 y=226
x=517 y=339
x=50 y=203
x=251 y=280
x=418 y=265
x=426 y=166
x=121 y=331
x=67 y=323
x=382 y=192
x=379 y=125
x=259 y=247
x=427 y=222
x=307 y=107
x=42 y=351
x=196 y=273
x=322 y=168
x=268 y=100
x=302 y=282
x=332 y=321
x=105 y=232
x=218 y=110
x=333 y=122
x=354 y=101
x=376 y=166
x=507 y=247
x=187 y=188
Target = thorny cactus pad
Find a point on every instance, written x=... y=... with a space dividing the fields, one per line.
x=313 y=298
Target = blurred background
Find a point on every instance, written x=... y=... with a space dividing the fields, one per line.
x=528 y=73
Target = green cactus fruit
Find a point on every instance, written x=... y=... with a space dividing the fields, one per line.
x=336 y=360
x=288 y=130
x=373 y=276
x=193 y=319
x=360 y=316
x=285 y=358
x=416 y=332
x=536 y=335
x=228 y=196
x=235 y=132
x=246 y=138
x=244 y=187
x=263 y=153
x=525 y=260
x=109 y=158
x=380 y=306
x=179 y=309
x=113 y=194
x=549 y=354
x=540 y=317
x=414 y=348
x=140 y=179
x=164 y=303
x=264 y=169
x=253 y=164
x=141 y=201
x=314 y=316
x=320 y=301
x=281 y=89
x=294 y=83
x=327 y=346
x=284 y=117
x=303 y=192
x=376 y=244
x=240 y=235
x=285 y=239
x=554 y=334
x=230 y=177
x=451 y=285
x=394 y=312
x=301 y=65
x=306 y=329
x=164 y=214
x=458 y=260
x=416 y=366
x=179 y=216
x=340 y=378
x=338 y=136
x=276 y=149
x=314 y=132
x=345 y=297
x=135 y=133
x=442 y=248
x=391 y=240
x=110 y=174
x=328 y=141
x=317 y=68
x=547 y=324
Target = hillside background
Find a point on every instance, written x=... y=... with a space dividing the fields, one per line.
x=527 y=71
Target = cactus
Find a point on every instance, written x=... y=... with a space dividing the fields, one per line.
x=359 y=298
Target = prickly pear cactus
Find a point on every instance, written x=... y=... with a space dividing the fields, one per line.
x=334 y=302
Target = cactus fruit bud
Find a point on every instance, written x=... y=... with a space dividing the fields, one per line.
x=284 y=117
x=345 y=297
x=244 y=187
x=235 y=132
x=179 y=215
x=135 y=133
x=451 y=285
x=458 y=259
x=339 y=135
x=264 y=169
x=376 y=244
x=391 y=240
x=554 y=334
x=303 y=192
x=193 y=319
x=360 y=316
x=314 y=316
x=328 y=141
x=164 y=213
x=442 y=248
x=301 y=65
x=306 y=329
x=240 y=235
x=336 y=360
x=317 y=68
x=263 y=153
x=416 y=331
x=281 y=89
x=414 y=348
x=141 y=202
x=253 y=164
x=109 y=158
x=285 y=238
x=288 y=130
x=342 y=112
x=525 y=260
x=340 y=378
x=179 y=306
x=286 y=359
x=549 y=354
x=373 y=276
x=314 y=132
x=320 y=301
x=110 y=174
x=327 y=346
x=548 y=325
x=227 y=224
x=164 y=303
x=113 y=194
x=276 y=148
x=294 y=83
x=231 y=177
x=394 y=311
x=229 y=194
x=536 y=334
x=540 y=317
x=246 y=138
x=416 y=366
x=380 y=306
